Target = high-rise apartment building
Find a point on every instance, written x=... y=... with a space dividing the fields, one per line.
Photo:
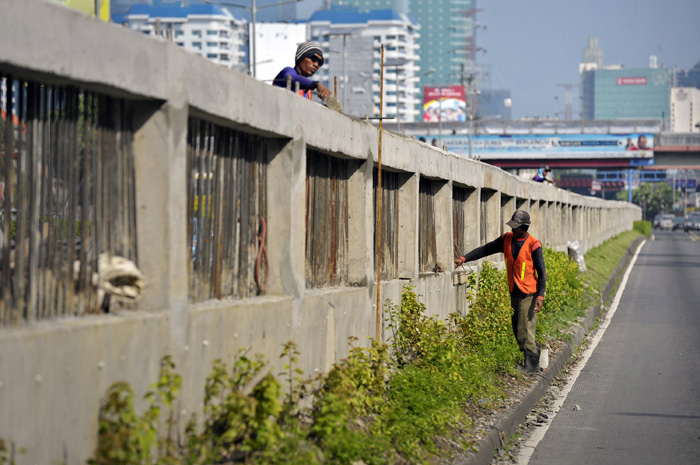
x=447 y=40
x=207 y=30
x=612 y=92
x=634 y=93
x=351 y=42
x=685 y=109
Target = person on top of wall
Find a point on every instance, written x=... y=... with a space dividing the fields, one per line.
x=308 y=60
x=527 y=281
x=541 y=175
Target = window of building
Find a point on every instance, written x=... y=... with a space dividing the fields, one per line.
x=179 y=33
x=197 y=45
x=212 y=55
x=225 y=57
x=197 y=33
x=181 y=44
x=212 y=44
x=211 y=32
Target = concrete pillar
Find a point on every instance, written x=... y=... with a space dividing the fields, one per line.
x=160 y=146
x=507 y=209
x=286 y=212
x=360 y=198
x=490 y=217
x=471 y=213
x=443 y=225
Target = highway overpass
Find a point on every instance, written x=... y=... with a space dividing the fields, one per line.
x=670 y=150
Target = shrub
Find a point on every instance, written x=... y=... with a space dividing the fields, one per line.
x=643 y=227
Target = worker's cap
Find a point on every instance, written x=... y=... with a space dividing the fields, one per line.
x=306 y=49
x=519 y=218
x=545 y=168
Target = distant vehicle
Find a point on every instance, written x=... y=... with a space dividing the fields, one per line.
x=655 y=224
x=666 y=222
x=692 y=223
x=678 y=223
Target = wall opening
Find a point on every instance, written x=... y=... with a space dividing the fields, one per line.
x=67 y=196
x=228 y=209
x=327 y=182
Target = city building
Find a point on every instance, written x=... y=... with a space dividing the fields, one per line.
x=351 y=41
x=448 y=37
x=612 y=92
x=685 y=109
x=690 y=78
x=495 y=104
x=635 y=93
x=211 y=31
x=275 y=47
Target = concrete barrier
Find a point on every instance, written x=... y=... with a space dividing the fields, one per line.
x=53 y=373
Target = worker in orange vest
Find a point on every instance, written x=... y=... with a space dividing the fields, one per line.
x=527 y=281
x=307 y=60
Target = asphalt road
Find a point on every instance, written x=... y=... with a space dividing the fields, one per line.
x=639 y=393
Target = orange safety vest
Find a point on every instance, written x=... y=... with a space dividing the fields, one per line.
x=521 y=271
x=305 y=93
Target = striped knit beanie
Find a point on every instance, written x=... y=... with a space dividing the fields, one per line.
x=306 y=49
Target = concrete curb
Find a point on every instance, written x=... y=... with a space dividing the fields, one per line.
x=508 y=423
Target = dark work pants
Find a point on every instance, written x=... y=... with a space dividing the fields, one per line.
x=524 y=321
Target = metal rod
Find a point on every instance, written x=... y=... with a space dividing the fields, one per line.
x=379 y=199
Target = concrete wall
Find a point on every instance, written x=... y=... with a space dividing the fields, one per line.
x=53 y=373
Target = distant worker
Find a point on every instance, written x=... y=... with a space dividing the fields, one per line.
x=527 y=281
x=308 y=60
x=541 y=175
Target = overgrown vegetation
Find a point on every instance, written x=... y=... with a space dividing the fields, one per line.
x=383 y=403
x=643 y=227
x=603 y=259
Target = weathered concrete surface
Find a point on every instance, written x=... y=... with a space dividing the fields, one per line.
x=53 y=373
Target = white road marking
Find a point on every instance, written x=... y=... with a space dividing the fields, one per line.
x=528 y=448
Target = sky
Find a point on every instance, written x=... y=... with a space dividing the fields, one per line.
x=532 y=46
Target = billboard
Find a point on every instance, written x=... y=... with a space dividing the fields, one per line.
x=553 y=146
x=89 y=6
x=450 y=102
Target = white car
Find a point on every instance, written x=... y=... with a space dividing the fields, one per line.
x=666 y=222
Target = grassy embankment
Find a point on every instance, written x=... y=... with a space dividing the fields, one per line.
x=383 y=404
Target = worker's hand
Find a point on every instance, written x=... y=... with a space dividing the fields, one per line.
x=458 y=262
x=323 y=91
x=538 y=304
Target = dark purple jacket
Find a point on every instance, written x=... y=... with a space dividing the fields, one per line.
x=304 y=82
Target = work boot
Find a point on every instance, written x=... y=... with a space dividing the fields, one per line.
x=532 y=362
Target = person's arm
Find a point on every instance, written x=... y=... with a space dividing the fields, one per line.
x=491 y=248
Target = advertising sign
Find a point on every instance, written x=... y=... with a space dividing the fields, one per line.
x=89 y=6
x=631 y=81
x=450 y=102
x=681 y=183
x=561 y=146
